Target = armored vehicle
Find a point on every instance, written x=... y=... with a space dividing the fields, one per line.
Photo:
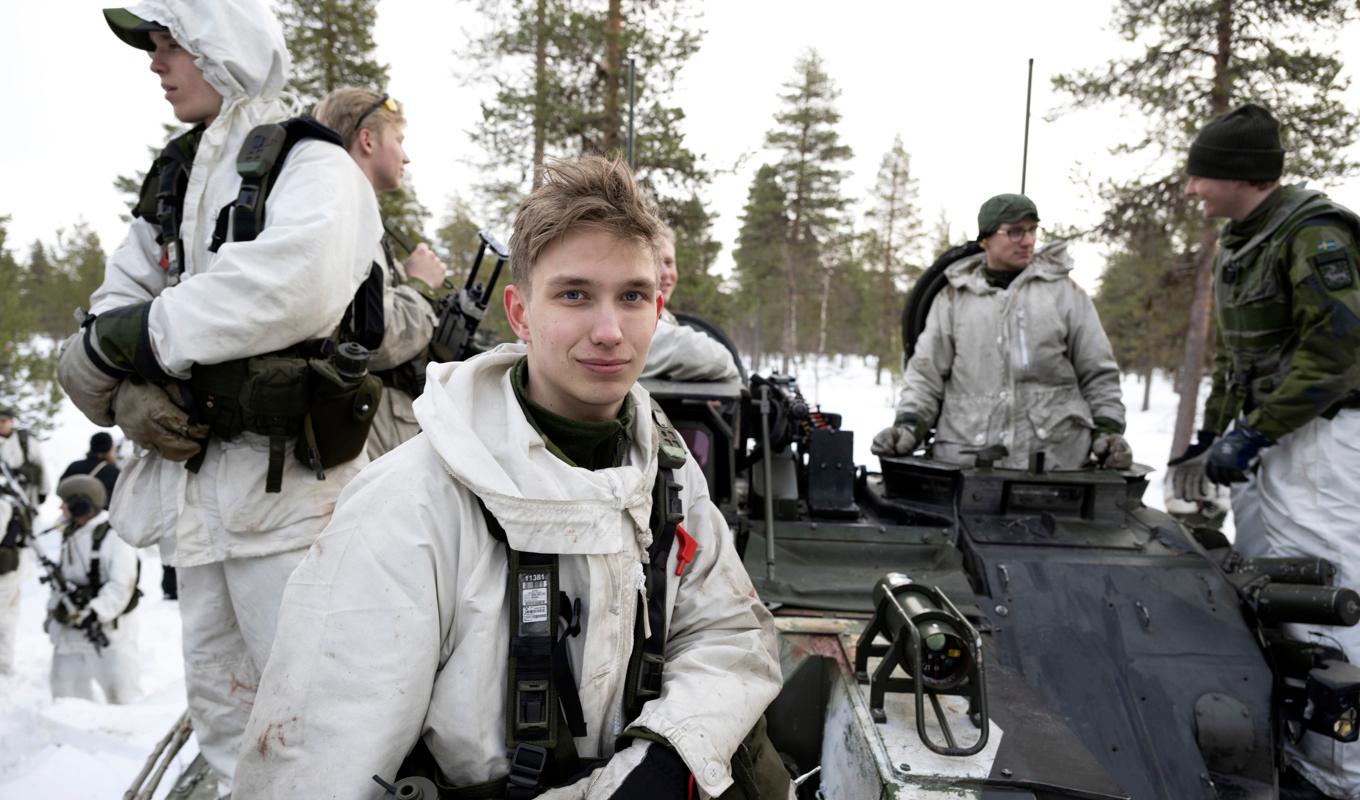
x=982 y=632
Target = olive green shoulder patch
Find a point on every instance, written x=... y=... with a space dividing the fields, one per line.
x=1334 y=268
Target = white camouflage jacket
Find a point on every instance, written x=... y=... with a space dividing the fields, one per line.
x=1028 y=367
x=118 y=576
x=681 y=353
x=290 y=284
x=395 y=625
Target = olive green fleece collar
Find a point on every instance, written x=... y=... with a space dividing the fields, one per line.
x=592 y=445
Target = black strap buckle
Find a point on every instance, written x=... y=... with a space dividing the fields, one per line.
x=649 y=677
x=527 y=764
x=531 y=706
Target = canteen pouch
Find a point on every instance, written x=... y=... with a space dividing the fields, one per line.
x=339 y=416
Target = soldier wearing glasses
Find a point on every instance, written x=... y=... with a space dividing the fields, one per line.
x=1012 y=354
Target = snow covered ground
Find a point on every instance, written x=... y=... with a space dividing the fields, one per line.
x=79 y=749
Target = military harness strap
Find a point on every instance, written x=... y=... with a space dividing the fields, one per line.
x=96 y=577
x=543 y=706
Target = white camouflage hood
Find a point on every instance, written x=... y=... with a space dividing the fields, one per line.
x=471 y=417
x=238 y=44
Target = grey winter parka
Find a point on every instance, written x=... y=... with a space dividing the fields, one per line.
x=1028 y=367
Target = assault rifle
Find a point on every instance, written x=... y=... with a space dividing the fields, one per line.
x=12 y=489
x=459 y=311
x=78 y=598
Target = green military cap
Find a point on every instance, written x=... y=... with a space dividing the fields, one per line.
x=1002 y=210
x=7 y=412
x=86 y=486
x=132 y=29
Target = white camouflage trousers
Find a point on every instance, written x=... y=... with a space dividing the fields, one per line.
x=1305 y=501
x=229 y=611
x=115 y=670
x=9 y=617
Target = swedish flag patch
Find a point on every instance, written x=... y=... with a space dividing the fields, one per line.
x=1328 y=245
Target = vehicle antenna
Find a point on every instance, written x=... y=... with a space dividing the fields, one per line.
x=1029 y=93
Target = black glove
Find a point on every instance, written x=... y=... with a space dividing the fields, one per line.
x=661 y=775
x=1232 y=456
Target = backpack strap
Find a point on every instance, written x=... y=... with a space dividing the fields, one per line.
x=647 y=662
x=259 y=163
x=96 y=583
x=543 y=704
x=161 y=201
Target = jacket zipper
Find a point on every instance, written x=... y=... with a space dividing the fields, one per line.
x=1024 y=339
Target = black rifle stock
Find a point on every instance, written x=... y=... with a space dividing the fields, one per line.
x=460 y=311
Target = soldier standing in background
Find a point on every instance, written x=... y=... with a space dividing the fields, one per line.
x=1282 y=422
x=373 y=129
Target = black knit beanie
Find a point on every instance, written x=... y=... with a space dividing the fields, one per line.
x=1243 y=144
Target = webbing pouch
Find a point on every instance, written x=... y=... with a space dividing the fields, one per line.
x=339 y=415
x=9 y=559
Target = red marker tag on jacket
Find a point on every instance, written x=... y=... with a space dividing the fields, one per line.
x=688 y=547
x=165 y=258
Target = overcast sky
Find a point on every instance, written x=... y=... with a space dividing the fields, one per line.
x=81 y=108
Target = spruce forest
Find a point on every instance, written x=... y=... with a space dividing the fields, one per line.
x=815 y=270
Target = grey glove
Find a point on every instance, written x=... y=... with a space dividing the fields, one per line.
x=1186 y=472
x=88 y=386
x=894 y=441
x=150 y=418
x=1112 y=451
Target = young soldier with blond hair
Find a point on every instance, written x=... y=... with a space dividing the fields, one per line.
x=421 y=636
x=373 y=129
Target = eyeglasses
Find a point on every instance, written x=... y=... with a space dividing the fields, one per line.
x=1017 y=235
x=386 y=102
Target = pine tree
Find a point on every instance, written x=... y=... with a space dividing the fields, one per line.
x=559 y=72
x=27 y=367
x=759 y=263
x=331 y=42
x=1201 y=58
x=894 y=246
x=805 y=132
x=60 y=278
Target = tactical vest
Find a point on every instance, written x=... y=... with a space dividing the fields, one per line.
x=285 y=395
x=1253 y=302
x=543 y=710
x=96 y=577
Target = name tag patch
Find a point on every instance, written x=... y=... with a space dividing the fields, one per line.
x=1334 y=268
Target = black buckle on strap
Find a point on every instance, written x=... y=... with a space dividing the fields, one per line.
x=527 y=764
x=531 y=706
x=649 y=677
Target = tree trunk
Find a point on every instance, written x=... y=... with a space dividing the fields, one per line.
x=1202 y=306
x=540 y=89
x=613 y=68
x=1196 y=339
x=1147 y=388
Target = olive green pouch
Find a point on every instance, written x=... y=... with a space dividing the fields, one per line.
x=339 y=416
x=9 y=560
